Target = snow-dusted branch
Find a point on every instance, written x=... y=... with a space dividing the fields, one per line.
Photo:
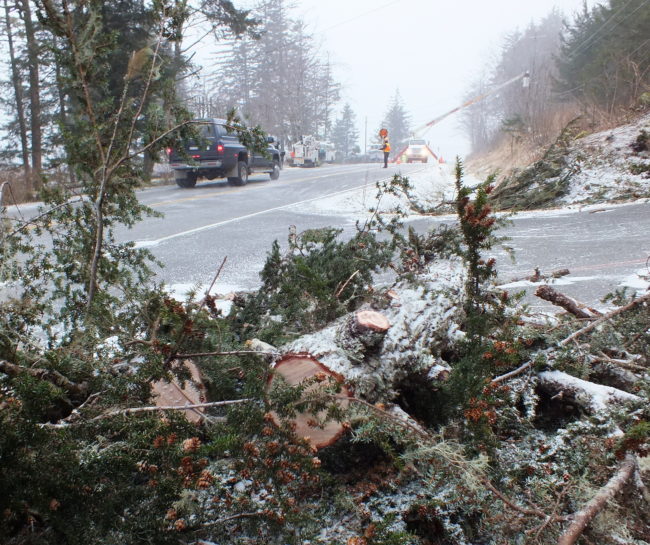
x=569 y=304
x=596 y=504
x=590 y=396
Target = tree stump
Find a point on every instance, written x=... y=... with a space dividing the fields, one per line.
x=294 y=369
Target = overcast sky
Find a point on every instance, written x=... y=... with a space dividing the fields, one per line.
x=428 y=49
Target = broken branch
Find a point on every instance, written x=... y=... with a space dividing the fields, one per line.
x=48 y=375
x=551 y=295
x=583 y=517
x=604 y=318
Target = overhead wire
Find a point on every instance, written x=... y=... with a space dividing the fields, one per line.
x=586 y=42
x=609 y=20
x=361 y=15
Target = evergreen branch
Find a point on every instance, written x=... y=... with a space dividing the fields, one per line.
x=232 y=517
x=153 y=143
x=145 y=92
x=582 y=518
x=48 y=375
x=345 y=284
x=459 y=463
x=182 y=333
x=214 y=280
x=513 y=373
x=35 y=219
x=384 y=413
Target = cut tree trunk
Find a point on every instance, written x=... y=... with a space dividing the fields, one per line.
x=175 y=394
x=378 y=352
x=294 y=370
x=404 y=335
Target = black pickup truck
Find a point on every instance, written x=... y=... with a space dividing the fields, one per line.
x=220 y=154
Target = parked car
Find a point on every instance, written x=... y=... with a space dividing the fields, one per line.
x=219 y=154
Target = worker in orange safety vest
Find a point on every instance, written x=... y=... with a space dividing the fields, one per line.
x=383 y=133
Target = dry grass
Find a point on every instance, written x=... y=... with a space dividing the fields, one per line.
x=504 y=157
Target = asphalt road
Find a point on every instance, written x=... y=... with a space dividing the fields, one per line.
x=604 y=247
x=213 y=221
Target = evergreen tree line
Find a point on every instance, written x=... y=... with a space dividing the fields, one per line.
x=41 y=101
x=596 y=64
x=276 y=77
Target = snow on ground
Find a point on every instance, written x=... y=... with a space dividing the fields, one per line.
x=608 y=167
x=222 y=292
x=639 y=281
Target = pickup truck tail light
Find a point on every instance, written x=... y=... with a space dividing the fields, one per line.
x=219 y=148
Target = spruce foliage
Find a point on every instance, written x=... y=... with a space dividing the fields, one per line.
x=319 y=278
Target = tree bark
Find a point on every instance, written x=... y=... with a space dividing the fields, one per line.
x=583 y=517
x=19 y=95
x=49 y=375
x=551 y=295
x=34 y=92
x=590 y=396
x=362 y=331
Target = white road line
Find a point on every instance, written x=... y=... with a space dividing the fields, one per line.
x=150 y=243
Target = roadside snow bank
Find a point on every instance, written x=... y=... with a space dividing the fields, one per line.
x=609 y=169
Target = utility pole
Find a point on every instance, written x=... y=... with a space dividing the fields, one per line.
x=365 y=136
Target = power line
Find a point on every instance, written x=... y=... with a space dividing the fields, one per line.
x=609 y=20
x=361 y=15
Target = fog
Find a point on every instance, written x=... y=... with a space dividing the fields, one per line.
x=429 y=50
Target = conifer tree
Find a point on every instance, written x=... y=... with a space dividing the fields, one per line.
x=604 y=58
x=397 y=121
x=345 y=134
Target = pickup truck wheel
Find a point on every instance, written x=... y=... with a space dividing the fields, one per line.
x=242 y=174
x=185 y=179
x=275 y=173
